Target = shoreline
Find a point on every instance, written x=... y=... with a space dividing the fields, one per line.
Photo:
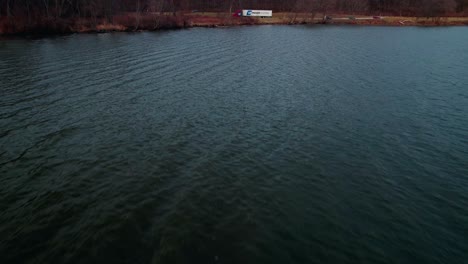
x=209 y=20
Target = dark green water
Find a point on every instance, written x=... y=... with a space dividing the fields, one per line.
x=268 y=144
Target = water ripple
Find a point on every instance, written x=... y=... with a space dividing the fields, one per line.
x=268 y=144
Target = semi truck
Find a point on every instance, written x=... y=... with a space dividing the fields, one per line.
x=253 y=13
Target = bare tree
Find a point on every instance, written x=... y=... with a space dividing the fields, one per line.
x=436 y=8
x=8 y=8
x=231 y=3
x=137 y=14
x=59 y=6
x=46 y=6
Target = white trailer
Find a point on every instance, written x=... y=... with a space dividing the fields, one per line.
x=257 y=13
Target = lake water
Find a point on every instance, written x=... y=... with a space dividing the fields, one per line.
x=262 y=144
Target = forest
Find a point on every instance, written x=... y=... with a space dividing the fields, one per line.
x=61 y=15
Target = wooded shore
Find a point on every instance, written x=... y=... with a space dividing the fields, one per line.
x=131 y=22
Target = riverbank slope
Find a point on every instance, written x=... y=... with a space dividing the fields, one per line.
x=151 y=22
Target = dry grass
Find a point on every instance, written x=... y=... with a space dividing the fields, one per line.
x=423 y=21
x=110 y=27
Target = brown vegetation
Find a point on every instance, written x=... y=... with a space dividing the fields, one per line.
x=64 y=16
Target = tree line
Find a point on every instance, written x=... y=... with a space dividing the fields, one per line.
x=53 y=9
x=64 y=16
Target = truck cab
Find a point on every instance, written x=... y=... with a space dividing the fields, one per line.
x=237 y=13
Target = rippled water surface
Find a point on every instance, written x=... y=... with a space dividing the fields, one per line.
x=265 y=144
